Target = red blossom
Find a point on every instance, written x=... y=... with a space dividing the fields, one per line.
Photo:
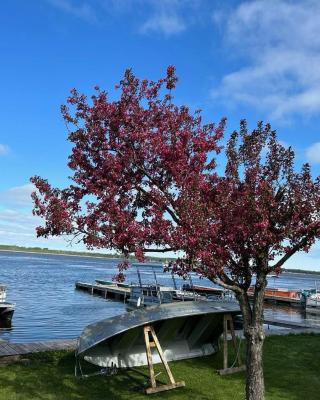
x=144 y=177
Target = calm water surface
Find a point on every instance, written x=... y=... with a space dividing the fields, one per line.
x=48 y=306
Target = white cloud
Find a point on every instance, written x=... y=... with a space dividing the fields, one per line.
x=18 y=195
x=4 y=149
x=82 y=10
x=313 y=153
x=278 y=46
x=167 y=24
x=168 y=17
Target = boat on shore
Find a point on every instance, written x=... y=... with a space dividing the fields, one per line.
x=185 y=330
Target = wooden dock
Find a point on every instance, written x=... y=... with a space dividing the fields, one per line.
x=290 y=324
x=15 y=349
x=113 y=292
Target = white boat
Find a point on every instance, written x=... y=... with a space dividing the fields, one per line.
x=313 y=303
x=3 y=293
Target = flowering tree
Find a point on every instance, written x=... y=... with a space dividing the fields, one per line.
x=144 y=180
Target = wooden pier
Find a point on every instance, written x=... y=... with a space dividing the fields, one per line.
x=15 y=349
x=113 y=292
x=290 y=324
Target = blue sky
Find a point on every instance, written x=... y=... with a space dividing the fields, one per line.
x=258 y=60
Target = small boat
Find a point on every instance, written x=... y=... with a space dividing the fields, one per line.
x=313 y=303
x=6 y=309
x=184 y=329
x=204 y=290
x=149 y=295
x=106 y=283
x=6 y=312
x=112 y=283
x=281 y=295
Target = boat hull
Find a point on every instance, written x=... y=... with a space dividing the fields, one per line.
x=313 y=304
x=6 y=312
x=279 y=295
x=185 y=330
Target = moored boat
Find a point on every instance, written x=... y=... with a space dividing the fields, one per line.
x=6 y=309
x=6 y=312
x=204 y=290
x=313 y=303
x=283 y=295
x=148 y=295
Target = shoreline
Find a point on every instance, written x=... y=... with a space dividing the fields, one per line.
x=75 y=255
x=109 y=257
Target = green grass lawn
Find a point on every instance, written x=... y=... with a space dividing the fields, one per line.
x=292 y=371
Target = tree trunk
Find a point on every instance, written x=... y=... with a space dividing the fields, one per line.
x=254 y=334
x=255 y=381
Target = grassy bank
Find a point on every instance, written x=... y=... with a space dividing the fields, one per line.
x=291 y=373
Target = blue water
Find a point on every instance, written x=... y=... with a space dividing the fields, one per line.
x=48 y=306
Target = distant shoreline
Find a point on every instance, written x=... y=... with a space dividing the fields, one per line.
x=301 y=271
x=45 y=251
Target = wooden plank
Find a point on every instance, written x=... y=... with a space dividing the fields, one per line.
x=149 y=357
x=164 y=361
x=228 y=371
x=163 y=388
x=36 y=347
x=234 y=340
x=154 y=388
x=225 y=342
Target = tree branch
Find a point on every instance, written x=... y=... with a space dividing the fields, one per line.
x=234 y=288
x=293 y=250
x=158 y=250
x=172 y=214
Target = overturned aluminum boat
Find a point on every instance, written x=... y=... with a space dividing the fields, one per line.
x=185 y=330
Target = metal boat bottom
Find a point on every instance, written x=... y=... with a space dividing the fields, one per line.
x=185 y=330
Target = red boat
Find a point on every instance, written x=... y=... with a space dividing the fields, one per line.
x=280 y=295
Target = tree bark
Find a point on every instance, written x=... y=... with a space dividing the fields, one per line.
x=255 y=379
x=254 y=334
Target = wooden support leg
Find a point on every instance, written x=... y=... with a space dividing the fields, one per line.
x=227 y=318
x=155 y=343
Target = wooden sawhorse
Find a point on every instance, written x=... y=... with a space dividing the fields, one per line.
x=227 y=319
x=154 y=342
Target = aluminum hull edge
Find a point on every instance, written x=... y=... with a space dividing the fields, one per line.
x=185 y=330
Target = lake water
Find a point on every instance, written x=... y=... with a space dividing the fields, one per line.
x=48 y=306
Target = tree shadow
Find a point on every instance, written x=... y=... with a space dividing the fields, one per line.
x=291 y=372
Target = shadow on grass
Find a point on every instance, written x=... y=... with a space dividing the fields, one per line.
x=291 y=373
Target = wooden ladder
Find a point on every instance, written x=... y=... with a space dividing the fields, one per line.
x=154 y=342
x=227 y=320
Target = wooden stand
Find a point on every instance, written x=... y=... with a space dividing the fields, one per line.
x=155 y=343
x=227 y=318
